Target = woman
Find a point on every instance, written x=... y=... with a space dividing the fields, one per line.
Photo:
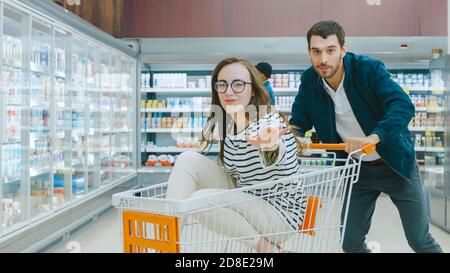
x=256 y=146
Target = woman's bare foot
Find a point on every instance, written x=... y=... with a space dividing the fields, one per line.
x=265 y=246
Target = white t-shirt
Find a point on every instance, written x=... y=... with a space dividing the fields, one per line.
x=346 y=123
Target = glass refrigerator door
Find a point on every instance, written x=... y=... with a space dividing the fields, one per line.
x=435 y=134
x=119 y=125
x=127 y=104
x=13 y=194
x=41 y=174
x=104 y=85
x=98 y=140
x=122 y=131
x=77 y=94
x=62 y=141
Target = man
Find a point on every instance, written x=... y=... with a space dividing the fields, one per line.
x=265 y=72
x=352 y=99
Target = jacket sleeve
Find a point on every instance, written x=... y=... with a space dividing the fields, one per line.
x=397 y=105
x=271 y=95
x=300 y=120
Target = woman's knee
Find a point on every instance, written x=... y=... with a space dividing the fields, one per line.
x=190 y=158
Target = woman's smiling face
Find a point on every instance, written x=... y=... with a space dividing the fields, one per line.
x=238 y=77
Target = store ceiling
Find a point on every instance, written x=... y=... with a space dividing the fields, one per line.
x=281 y=52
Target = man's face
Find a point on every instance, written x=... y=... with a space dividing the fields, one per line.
x=261 y=76
x=326 y=55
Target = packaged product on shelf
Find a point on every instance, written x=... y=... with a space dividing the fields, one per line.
x=160 y=161
x=164 y=161
x=11 y=211
x=12 y=51
x=151 y=161
x=201 y=83
x=192 y=85
x=78 y=185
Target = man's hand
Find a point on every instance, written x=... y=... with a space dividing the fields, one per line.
x=355 y=143
x=303 y=152
x=268 y=137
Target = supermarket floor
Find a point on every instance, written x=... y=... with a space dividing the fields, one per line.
x=104 y=235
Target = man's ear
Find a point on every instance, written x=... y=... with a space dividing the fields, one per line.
x=344 y=50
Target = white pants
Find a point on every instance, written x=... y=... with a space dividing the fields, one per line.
x=195 y=175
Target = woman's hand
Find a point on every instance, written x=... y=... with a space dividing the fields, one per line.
x=268 y=137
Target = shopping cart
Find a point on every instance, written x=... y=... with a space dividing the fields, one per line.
x=153 y=224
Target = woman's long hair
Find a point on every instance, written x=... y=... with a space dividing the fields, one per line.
x=219 y=123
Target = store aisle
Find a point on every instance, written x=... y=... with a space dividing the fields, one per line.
x=104 y=235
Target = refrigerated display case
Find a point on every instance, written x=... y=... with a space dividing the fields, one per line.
x=437 y=150
x=67 y=125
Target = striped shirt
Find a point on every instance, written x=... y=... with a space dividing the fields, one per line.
x=246 y=164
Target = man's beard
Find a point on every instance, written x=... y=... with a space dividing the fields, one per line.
x=332 y=72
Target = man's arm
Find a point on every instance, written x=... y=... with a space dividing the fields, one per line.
x=397 y=105
x=271 y=95
x=300 y=120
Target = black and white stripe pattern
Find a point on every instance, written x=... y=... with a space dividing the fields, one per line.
x=245 y=164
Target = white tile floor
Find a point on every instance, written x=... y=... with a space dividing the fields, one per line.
x=104 y=235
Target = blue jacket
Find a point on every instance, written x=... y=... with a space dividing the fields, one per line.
x=379 y=104
x=270 y=91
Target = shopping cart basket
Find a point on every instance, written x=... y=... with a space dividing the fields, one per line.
x=153 y=224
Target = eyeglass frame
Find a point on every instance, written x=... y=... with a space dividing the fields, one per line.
x=231 y=84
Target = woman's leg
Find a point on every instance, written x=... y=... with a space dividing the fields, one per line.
x=192 y=172
x=241 y=215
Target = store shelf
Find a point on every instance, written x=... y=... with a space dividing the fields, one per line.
x=39 y=171
x=434 y=169
x=99 y=150
x=12 y=64
x=176 y=90
x=175 y=110
x=61 y=164
x=99 y=110
x=39 y=72
x=13 y=179
x=155 y=170
x=60 y=75
x=121 y=131
x=124 y=110
x=174 y=150
x=122 y=170
x=204 y=90
x=120 y=90
x=418 y=88
x=431 y=129
x=285 y=90
x=421 y=109
x=77 y=107
x=172 y=130
x=93 y=131
x=430 y=149
x=429 y=109
x=121 y=150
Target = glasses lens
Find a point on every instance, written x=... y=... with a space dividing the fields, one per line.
x=221 y=87
x=238 y=86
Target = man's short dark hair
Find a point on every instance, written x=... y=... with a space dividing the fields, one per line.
x=325 y=29
x=265 y=68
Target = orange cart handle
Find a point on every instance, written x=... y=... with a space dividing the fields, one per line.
x=368 y=149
